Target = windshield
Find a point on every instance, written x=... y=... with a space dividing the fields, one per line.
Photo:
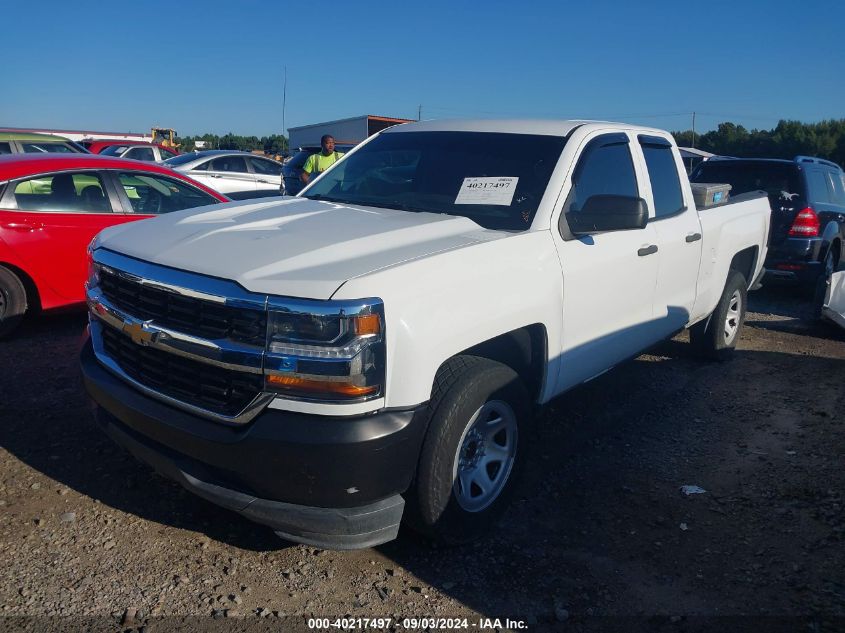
x=181 y=159
x=114 y=150
x=495 y=179
x=47 y=147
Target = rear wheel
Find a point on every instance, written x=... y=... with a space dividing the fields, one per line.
x=473 y=452
x=717 y=336
x=12 y=301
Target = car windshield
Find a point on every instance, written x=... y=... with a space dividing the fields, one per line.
x=114 y=150
x=182 y=159
x=776 y=179
x=495 y=179
x=41 y=147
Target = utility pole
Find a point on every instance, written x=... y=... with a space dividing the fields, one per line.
x=285 y=103
x=693 y=130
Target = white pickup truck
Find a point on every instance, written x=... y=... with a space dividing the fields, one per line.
x=372 y=350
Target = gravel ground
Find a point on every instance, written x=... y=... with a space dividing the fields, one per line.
x=601 y=536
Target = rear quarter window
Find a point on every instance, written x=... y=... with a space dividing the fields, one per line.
x=817 y=186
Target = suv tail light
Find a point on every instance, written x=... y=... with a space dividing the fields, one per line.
x=806 y=224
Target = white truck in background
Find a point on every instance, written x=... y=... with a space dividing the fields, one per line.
x=372 y=349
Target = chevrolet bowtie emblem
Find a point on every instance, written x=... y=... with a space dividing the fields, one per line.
x=139 y=333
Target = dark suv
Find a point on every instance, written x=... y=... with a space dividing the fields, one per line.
x=292 y=169
x=807 y=196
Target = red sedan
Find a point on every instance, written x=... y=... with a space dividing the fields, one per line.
x=51 y=207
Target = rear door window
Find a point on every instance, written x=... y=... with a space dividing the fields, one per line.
x=153 y=194
x=5 y=148
x=235 y=164
x=663 y=175
x=82 y=192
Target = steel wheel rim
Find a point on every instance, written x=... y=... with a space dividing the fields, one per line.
x=485 y=456
x=733 y=317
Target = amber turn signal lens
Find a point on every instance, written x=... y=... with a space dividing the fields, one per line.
x=367 y=324
x=294 y=383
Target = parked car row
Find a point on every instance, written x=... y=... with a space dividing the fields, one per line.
x=51 y=207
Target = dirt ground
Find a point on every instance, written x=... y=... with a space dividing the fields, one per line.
x=600 y=538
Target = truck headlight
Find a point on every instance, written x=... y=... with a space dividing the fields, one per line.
x=334 y=353
x=93 y=276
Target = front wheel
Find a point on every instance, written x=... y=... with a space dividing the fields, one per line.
x=473 y=452
x=12 y=301
x=716 y=337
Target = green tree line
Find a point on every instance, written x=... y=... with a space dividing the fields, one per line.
x=788 y=139
x=273 y=144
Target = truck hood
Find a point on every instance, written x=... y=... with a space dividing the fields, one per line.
x=295 y=247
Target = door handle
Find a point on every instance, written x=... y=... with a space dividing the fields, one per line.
x=647 y=250
x=215 y=175
x=693 y=237
x=24 y=227
x=264 y=181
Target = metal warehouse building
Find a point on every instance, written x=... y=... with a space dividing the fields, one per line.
x=345 y=131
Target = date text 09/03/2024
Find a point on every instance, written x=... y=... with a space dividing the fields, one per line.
x=414 y=623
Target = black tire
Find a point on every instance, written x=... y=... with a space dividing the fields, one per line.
x=438 y=505
x=12 y=301
x=823 y=283
x=710 y=337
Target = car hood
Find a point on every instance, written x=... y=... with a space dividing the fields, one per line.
x=296 y=247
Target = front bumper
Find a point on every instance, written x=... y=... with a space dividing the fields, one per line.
x=329 y=482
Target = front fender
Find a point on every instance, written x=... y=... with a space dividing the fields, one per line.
x=443 y=304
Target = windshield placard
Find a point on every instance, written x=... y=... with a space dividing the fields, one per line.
x=495 y=190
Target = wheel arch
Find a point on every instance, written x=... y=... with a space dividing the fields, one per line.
x=745 y=262
x=33 y=297
x=525 y=350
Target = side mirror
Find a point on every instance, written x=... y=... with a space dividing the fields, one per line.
x=608 y=212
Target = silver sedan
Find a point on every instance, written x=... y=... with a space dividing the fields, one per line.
x=238 y=175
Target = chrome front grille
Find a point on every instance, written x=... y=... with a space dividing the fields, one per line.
x=222 y=391
x=191 y=341
x=187 y=314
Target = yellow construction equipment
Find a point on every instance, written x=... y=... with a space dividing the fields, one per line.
x=165 y=136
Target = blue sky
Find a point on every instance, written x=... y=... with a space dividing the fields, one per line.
x=219 y=66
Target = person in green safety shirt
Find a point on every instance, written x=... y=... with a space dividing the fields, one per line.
x=322 y=160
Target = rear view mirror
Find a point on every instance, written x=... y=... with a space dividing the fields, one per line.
x=607 y=212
